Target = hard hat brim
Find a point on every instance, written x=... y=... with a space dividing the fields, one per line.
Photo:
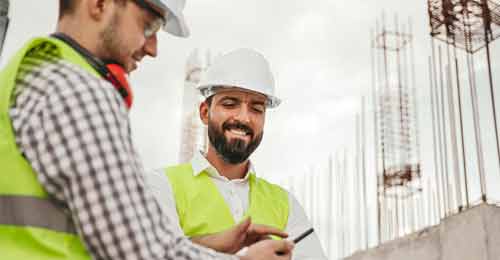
x=176 y=25
x=209 y=90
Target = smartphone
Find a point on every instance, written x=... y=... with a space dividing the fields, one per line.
x=299 y=238
x=303 y=235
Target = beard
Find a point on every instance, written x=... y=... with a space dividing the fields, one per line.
x=111 y=43
x=235 y=151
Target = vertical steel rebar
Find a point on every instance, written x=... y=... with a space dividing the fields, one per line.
x=363 y=172
x=444 y=129
x=459 y=95
x=340 y=213
x=434 y=138
x=357 y=197
x=386 y=93
x=487 y=34
x=376 y=137
x=400 y=212
x=415 y=115
x=347 y=212
x=451 y=110
x=475 y=106
x=329 y=202
x=477 y=126
x=442 y=159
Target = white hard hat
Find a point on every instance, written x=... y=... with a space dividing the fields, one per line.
x=242 y=68
x=172 y=9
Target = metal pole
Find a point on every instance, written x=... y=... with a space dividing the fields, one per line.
x=427 y=203
x=415 y=118
x=380 y=141
x=487 y=34
x=442 y=159
x=329 y=207
x=411 y=200
x=339 y=212
x=400 y=217
x=475 y=107
x=375 y=134
x=357 y=197
x=434 y=137
x=402 y=152
x=347 y=212
x=445 y=136
x=477 y=126
x=451 y=111
x=363 y=172
x=459 y=94
x=386 y=92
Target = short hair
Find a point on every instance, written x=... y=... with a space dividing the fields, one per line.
x=69 y=6
x=66 y=7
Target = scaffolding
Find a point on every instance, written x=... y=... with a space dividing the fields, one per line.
x=193 y=132
x=396 y=129
x=470 y=26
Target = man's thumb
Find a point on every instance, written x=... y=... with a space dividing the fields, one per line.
x=243 y=226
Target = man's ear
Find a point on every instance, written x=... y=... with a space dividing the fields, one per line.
x=97 y=9
x=204 y=110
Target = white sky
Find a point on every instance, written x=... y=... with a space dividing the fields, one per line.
x=320 y=53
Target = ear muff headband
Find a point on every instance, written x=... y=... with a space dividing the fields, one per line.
x=112 y=72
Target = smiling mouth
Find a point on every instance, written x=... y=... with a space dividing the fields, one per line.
x=238 y=132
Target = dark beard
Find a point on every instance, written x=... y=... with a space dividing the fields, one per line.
x=236 y=151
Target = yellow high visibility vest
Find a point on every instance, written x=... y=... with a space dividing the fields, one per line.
x=202 y=209
x=31 y=225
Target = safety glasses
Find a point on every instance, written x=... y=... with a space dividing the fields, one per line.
x=153 y=27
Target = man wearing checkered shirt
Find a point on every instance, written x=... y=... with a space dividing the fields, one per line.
x=71 y=183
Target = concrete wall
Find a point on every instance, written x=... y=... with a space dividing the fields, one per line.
x=471 y=235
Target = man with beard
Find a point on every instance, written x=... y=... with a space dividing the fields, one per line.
x=71 y=183
x=220 y=188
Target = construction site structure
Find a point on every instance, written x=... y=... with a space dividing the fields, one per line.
x=193 y=132
x=463 y=29
x=397 y=144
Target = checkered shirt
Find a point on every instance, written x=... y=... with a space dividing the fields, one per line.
x=73 y=129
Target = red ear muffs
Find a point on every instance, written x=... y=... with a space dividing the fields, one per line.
x=113 y=72
x=118 y=77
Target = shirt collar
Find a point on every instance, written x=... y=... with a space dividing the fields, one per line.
x=200 y=164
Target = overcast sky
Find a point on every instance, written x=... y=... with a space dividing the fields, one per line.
x=319 y=51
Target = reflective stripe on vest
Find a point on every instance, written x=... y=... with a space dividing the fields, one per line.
x=34 y=212
x=202 y=209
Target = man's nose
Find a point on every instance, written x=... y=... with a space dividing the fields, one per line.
x=151 y=45
x=243 y=114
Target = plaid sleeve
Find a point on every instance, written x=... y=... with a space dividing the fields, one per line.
x=73 y=129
